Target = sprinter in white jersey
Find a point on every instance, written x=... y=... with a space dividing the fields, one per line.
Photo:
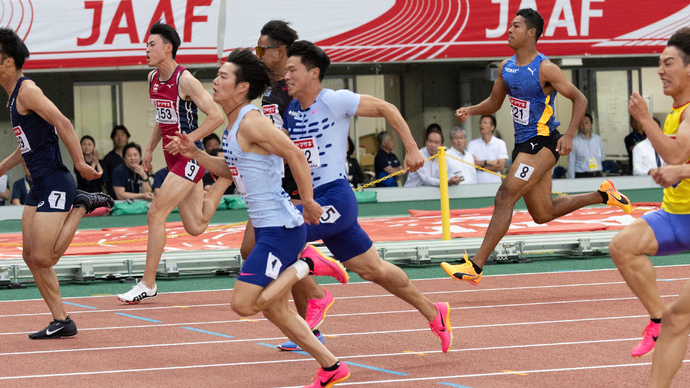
x=252 y=149
x=318 y=121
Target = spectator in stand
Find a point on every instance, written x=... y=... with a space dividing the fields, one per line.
x=88 y=148
x=120 y=137
x=636 y=136
x=5 y=194
x=466 y=171
x=158 y=179
x=428 y=175
x=585 y=160
x=489 y=151
x=130 y=181
x=210 y=179
x=21 y=187
x=385 y=161
x=645 y=159
x=211 y=142
x=355 y=175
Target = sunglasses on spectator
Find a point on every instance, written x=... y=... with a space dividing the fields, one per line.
x=261 y=50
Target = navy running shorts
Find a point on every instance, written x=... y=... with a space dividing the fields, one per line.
x=338 y=227
x=276 y=249
x=52 y=192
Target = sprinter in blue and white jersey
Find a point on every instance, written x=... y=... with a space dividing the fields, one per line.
x=531 y=82
x=318 y=121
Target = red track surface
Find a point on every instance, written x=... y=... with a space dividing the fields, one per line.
x=568 y=329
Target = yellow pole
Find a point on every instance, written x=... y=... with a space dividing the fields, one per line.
x=445 y=206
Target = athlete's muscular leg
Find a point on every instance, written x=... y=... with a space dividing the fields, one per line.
x=370 y=267
x=672 y=343
x=39 y=234
x=543 y=208
x=629 y=250
x=196 y=218
x=172 y=191
x=511 y=190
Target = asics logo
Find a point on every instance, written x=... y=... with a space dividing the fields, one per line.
x=40 y=204
x=48 y=332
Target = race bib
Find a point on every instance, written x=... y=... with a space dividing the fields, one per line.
x=165 y=112
x=56 y=200
x=239 y=184
x=329 y=215
x=191 y=169
x=524 y=172
x=592 y=164
x=519 y=109
x=272 y=112
x=311 y=151
x=24 y=145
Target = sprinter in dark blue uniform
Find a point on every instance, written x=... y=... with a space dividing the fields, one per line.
x=53 y=206
x=531 y=82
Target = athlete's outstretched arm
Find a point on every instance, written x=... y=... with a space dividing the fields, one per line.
x=190 y=87
x=370 y=106
x=672 y=151
x=553 y=75
x=215 y=164
x=489 y=106
x=31 y=98
x=11 y=161
x=263 y=137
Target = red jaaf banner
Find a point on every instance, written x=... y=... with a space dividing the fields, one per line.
x=95 y=33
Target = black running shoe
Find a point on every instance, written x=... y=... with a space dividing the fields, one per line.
x=91 y=201
x=56 y=329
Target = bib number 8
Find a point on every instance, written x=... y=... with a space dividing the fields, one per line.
x=524 y=172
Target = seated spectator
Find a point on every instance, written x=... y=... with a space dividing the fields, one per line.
x=645 y=158
x=158 y=179
x=5 y=194
x=355 y=175
x=586 y=158
x=636 y=136
x=120 y=137
x=489 y=151
x=130 y=181
x=209 y=179
x=385 y=161
x=428 y=175
x=21 y=187
x=211 y=142
x=466 y=171
x=88 y=148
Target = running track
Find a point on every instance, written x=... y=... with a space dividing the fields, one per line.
x=567 y=329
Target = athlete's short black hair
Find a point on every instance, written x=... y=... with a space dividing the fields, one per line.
x=119 y=128
x=12 y=46
x=493 y=119
x=252 y=69
x=532 y=19
x=280 y=32
x=681 y=41
x=168 y=34
x=311 y=56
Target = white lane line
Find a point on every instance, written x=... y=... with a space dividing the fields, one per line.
x=485 y=326
x=494 y=374
x=167 y=368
